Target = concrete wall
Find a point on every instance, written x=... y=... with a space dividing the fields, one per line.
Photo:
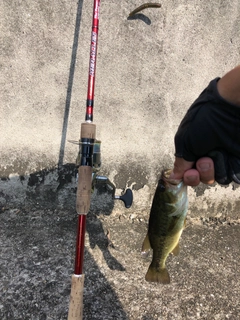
x=149 y=70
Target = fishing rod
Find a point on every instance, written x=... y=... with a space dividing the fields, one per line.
x=88 y=162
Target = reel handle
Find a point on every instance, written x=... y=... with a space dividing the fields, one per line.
x=127 y=198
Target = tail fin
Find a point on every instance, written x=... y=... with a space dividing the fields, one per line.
x=157 y=275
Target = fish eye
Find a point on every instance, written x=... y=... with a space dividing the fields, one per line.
x=161 y=185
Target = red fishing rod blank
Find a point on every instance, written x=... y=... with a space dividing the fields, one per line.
x=92 y=62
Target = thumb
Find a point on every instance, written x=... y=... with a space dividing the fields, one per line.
x=180 y=167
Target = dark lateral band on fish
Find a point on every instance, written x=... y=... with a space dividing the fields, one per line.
x=144 y=6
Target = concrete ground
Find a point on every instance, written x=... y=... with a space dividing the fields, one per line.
x=37 y=249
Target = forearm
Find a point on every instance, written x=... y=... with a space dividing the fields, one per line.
x=229 y=86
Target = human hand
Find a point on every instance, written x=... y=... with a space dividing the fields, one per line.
x=207 y=142
x=204 y=171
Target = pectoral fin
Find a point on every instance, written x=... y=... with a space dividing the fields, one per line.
x=146 y=247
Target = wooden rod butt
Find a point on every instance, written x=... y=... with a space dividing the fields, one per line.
x=75 y=311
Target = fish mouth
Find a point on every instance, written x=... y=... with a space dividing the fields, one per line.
x=166 y=177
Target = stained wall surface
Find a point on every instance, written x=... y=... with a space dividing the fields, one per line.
x=150 y=68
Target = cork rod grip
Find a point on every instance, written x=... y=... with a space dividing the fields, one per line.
x=75 y=311
x=88 y=131
x=84 y=188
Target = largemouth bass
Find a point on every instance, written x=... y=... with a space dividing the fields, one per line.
x=166 y=223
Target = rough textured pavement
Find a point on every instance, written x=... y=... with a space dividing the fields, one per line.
x=37 y=249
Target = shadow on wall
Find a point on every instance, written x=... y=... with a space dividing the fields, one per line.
x=70 y=82
x=54 y=186
x=142 y=17
x=47 y=188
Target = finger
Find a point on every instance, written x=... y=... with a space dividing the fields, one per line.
x=205 y=167
x=180 y=167
x=191 y=177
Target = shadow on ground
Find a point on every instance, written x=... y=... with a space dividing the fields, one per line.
x=37 y=258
